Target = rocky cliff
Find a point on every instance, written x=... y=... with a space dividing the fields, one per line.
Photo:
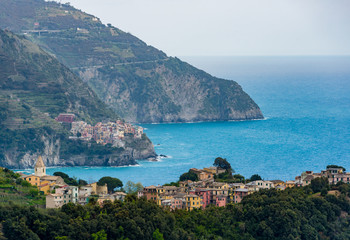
x=140 y=83
x=34 y=89
x=52 y=155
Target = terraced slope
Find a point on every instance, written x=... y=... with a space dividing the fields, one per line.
x=140 y=83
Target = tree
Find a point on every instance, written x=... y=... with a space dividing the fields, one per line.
x=101 y=235
x=34 y=192
x=133 y=188
x=222 y=163
x=82 y=182
x=336 y=166
x=61 y=174
x=66 y=178
x=112 y=183
x=318 y=184
x=157 y=235
x=239 y=177
x=189 y=176
x=255 y=177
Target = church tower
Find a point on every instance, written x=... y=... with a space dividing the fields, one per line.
x=40 y=169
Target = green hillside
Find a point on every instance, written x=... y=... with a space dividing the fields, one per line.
x=14 y=190
x=34 y=89
x=37 y=80
x=141 y=83
x=296 y=213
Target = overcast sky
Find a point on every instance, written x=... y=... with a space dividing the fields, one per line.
x=231 y=27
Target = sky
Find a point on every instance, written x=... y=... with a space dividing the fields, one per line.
x=231 y=27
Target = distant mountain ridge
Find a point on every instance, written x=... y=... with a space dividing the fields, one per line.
x=139 y=82
x=34 y=88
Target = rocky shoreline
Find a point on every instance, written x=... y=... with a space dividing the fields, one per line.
x=14 y=159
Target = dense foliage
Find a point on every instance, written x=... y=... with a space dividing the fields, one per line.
x=70 y=180
x=189 y=176
x=16 y=190
x=269 y=214
x=336 y=166
x=255 y=177
x=112 y=183
x=222 y=163
x=295 y=213
x=132 y=188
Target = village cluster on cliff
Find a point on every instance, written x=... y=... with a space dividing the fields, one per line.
x=102 y=133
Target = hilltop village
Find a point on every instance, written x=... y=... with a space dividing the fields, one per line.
x=206 y=190
x=59 y=193
x=103 y=133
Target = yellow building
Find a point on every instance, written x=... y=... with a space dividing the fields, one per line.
x=32 y=179
x=290 y=184
x=45 y=186
x=41 y=180
x=278 y=183
x=232 y=188
x=163 y=197
x=98 y=190
x=192 y=201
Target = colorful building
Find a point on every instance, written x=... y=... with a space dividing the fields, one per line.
x=192 y=202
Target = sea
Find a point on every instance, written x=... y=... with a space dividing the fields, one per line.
x=306 y=104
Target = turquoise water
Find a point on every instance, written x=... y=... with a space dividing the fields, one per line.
x=305 y=101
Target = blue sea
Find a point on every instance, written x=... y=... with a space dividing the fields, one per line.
x=306 y=103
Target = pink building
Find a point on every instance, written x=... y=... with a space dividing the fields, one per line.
x=177 y=203
x=239 y=194
x=204 y=194
x=221 y=201
x=65 y=118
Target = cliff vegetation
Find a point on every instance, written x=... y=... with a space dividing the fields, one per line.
x=138 y=81
x=296 y=213
x=34 y=88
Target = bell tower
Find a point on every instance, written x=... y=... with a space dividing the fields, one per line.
x=40 y=169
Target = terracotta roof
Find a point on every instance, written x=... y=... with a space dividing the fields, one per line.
x=39 y=162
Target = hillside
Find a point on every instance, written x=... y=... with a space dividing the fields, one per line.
x=34 y=89
x=140 y=83
x=295 y=213
x=14 y=190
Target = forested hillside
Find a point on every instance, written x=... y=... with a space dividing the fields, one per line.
x=297 y=213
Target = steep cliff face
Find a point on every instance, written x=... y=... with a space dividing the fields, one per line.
x=171 y=91
x=52 y=155
x=34 y=89
x=141 y=83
